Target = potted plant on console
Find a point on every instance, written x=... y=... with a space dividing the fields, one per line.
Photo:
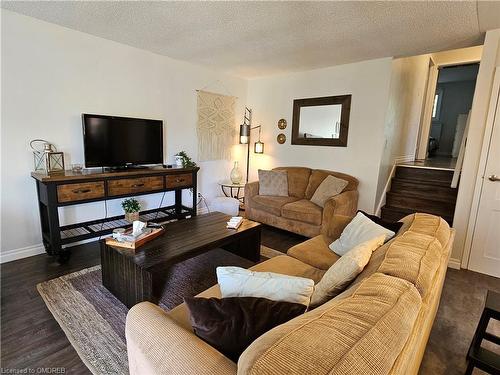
x=183 y=160
x=131 y=207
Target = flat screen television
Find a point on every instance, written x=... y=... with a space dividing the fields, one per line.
x=115 y=142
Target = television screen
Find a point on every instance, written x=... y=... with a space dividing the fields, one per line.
x=111 y=141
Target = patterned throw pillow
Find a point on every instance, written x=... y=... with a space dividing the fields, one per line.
x=273 y=183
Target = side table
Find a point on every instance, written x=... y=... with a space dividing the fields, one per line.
x=233 y=190
x=478 y=356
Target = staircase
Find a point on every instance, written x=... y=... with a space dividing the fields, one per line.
x=420 y=190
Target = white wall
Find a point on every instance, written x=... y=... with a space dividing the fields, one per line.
x=402 y=121
x=51 y=74
x=272 y=98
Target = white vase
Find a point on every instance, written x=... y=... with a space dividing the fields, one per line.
x=236 y=175
x=178 y=160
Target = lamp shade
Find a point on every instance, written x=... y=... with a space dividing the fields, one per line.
x=258 y=147
x=244 y=133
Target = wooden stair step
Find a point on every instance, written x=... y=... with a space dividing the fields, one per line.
x=420 y=204
x=424 y=174
x=425 y=191
x=397 y=213
x=430 y=183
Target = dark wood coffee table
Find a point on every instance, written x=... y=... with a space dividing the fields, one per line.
x=136 y=276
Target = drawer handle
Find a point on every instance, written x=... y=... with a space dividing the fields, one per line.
x=138 y=185
x=179 y=180
x=81 y=191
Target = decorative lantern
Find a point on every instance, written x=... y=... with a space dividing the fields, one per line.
x=48 y=159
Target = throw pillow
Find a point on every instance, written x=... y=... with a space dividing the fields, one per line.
x=240 y=282
x=230 y=325
x=330 y=187
x=344 y=270
x=395 y=226
x=273 y=183
x=359 y=230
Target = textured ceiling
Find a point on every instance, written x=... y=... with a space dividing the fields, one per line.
x=251 y=39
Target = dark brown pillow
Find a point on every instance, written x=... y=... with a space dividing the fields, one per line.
x=395 y=226
x=230 y=325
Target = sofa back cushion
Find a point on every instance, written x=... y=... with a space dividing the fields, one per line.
x=298 y=178
x=318 y=175
x=361 y=334
x=415 y=253
x=414 y=257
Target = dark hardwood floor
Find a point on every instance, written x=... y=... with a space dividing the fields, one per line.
x=30 y=336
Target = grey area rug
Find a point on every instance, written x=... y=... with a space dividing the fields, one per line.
x=94 y=320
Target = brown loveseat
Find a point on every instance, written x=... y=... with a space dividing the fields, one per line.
x=296 y=213
x=379 y=325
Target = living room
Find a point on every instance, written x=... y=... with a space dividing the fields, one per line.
x=165 y=61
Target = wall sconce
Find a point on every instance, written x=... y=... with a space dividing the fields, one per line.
x=245 y=130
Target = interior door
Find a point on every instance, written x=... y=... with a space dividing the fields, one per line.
x=485 y=250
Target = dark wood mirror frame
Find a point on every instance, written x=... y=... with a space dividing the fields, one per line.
x=344 y=100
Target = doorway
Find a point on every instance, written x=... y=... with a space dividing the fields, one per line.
x=452 y=102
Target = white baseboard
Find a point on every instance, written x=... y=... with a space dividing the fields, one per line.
x=24 y=252
x=454 y=263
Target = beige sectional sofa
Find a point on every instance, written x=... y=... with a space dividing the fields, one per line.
x=379 y=325
x=296 y=213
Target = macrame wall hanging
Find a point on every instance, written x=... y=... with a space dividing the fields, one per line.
x=216 y=129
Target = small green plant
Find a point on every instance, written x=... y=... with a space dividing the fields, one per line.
x=187 y=162
x=131 y=205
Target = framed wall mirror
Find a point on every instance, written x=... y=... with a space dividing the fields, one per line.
x=321 y=121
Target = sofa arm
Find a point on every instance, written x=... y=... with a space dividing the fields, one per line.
x=345 y=203
x=251 y=190
x=156 y=344
x=337 y=213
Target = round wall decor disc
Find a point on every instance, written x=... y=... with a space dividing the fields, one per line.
x=281 y=138
x=282 y=124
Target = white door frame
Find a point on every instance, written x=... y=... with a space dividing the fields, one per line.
x=425 y=123
x=488 y=131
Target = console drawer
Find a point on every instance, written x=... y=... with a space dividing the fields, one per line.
x=178 y=180
x=80 y=192
x=124 y=186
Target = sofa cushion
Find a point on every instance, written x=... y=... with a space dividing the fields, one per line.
x=280 y=264
x=361 y=334
x=318 y=175
x=344 y=271
x=298 y=178
x=240 y=282
x=330 y=187
x=414 y=257
x=303 y=210
x=274 y=183
x=231 y=324
x=431 y=225
x=394 y=226
x=271 y=204
x=359 y=230
x=314 y=252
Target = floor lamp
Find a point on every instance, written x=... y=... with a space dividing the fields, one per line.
x=245 y=130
